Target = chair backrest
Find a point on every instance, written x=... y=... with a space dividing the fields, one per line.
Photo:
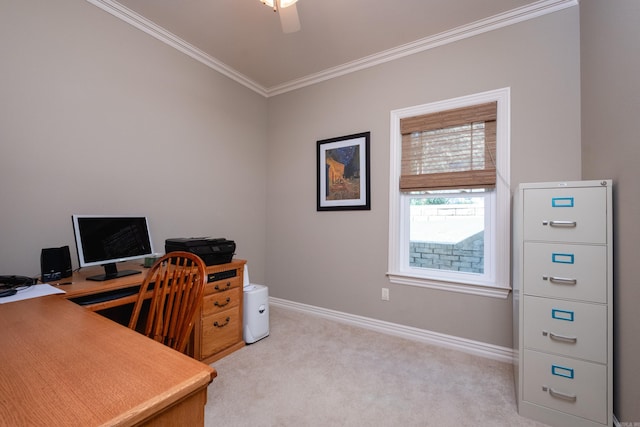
x=176 y=283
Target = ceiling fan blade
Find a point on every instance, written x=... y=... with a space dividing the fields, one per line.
x=289 y=20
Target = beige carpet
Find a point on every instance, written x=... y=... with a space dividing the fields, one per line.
x=315 y=372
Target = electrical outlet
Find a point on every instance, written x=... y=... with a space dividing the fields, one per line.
x=385 y=294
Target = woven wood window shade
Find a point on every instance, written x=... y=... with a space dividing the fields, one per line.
x=449 y=149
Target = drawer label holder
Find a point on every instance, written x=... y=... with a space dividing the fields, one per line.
x=562 y=314
x=563 y=258
x=561 y=371
x=562 y=202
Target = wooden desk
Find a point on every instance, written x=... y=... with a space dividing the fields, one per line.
x=61 y=364
x=217 y=330
x=78 y=286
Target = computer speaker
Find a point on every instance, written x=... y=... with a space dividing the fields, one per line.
x=55 y=263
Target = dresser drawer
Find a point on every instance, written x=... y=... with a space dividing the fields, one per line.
x=568 y=385
x=220 y=301
x=566 y=214
x=220 y=331
x=222 y=285
x=573 y=329
x=576 y=272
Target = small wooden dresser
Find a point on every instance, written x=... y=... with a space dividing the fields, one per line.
x=218 y=329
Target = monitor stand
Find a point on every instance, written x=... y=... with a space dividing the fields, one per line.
x=111 y=272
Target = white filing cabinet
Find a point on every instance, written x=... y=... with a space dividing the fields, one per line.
x=563 y=302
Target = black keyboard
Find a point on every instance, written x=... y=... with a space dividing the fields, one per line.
x=106 y=296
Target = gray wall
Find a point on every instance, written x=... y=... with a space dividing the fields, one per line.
x=97 y=117
x=610 y=41
x=338 y=260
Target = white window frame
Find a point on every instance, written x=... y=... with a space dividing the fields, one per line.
x=496 y=280
x=487 y=278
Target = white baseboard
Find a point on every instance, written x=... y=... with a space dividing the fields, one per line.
x=490 y=351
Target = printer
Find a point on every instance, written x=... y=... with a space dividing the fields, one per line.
x=212 y=251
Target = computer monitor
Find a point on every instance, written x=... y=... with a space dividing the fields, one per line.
x=108 y=239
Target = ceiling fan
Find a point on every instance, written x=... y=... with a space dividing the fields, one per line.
x=289 y=20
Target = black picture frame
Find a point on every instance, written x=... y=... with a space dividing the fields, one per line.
x=344 y=173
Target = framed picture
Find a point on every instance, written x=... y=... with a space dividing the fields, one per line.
x=343 y=173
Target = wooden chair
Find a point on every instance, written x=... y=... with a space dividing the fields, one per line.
x=176 y=282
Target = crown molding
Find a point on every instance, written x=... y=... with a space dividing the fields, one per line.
x=505 y=19
x=511 y=17
x=154 y=30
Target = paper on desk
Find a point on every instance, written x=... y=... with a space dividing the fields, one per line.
x=32 y=292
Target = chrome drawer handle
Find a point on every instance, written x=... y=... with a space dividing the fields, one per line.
x=560 y=280
x=559 y=394
x=222 y=304
x=563 y=338
x=218 y=325
x=569 y=224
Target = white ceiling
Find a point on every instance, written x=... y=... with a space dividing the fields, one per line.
x=243 y=38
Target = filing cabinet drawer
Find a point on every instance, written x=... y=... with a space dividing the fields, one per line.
x=222 y=285
x=573 y=329
x=568 y=385
x=576 y=272
x=566 y=215
x=219 y=301
x=220 y=331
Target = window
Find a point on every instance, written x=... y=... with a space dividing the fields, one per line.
x=449 y=214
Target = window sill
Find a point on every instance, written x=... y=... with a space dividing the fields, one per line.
x=465 y=288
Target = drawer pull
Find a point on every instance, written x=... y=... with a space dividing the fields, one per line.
x=569 y=224
x=560 y=280
x=560 y=395
x=218 y=325
x=562 y=338
x=222 y=304
x=218 y=288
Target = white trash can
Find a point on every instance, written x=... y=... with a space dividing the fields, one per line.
x=255 y=315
